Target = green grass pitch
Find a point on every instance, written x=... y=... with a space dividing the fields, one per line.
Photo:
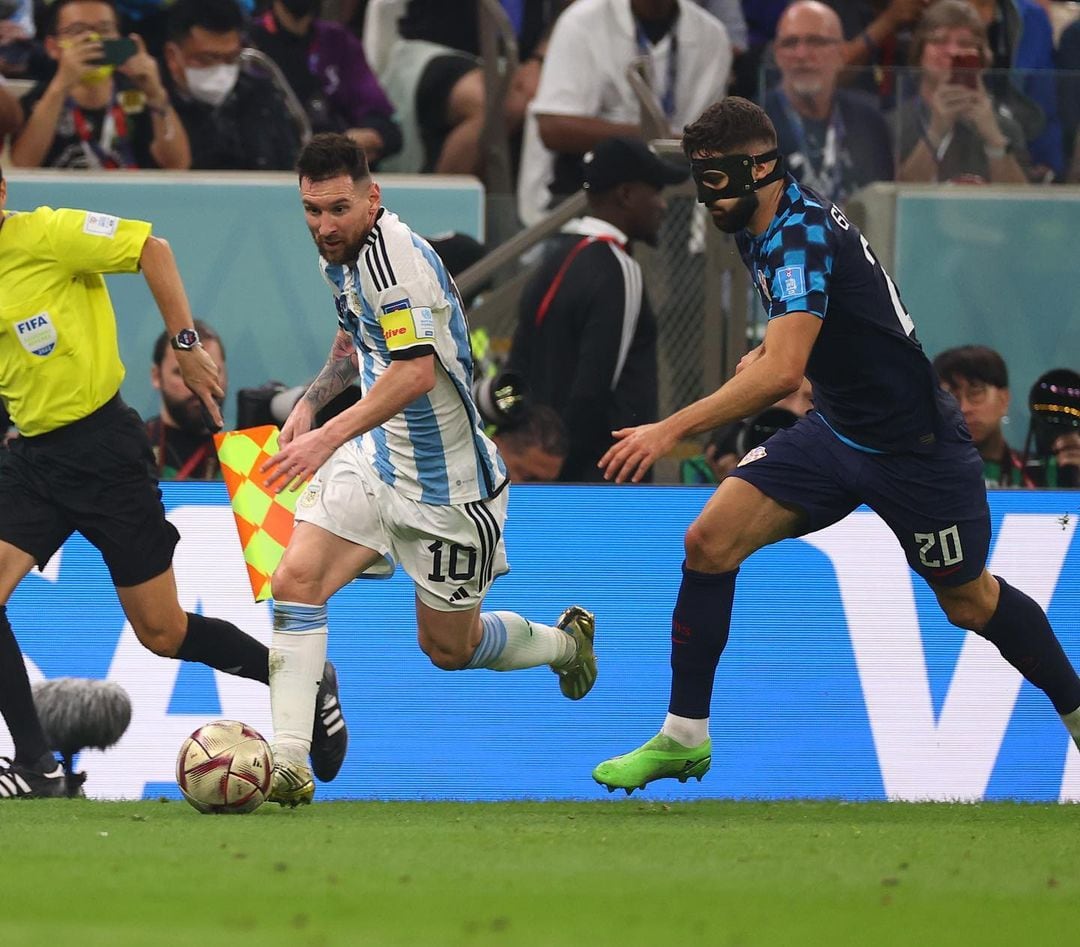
x=624 y=872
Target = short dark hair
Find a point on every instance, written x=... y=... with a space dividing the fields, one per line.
x=214 y=16
x=730 y=126
x=329 y=155
x=57 y=5
x=206 y=334
x=541 y=428
x=972 y=363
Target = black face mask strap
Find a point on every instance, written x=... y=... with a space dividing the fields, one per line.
x=775 y=174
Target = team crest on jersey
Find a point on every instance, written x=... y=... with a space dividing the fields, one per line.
x=37 y=334
x=792 y=282
x=310 y=496
x=756 y=454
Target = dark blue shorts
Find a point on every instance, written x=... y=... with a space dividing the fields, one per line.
x=934 y=503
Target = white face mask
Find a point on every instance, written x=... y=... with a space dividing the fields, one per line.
x=212 y=84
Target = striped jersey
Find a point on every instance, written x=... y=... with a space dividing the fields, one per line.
x=398 y=301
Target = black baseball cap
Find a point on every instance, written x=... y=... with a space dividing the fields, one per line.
x=619 y=160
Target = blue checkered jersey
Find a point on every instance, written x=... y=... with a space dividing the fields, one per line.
x=873 y=384
x=398 y=302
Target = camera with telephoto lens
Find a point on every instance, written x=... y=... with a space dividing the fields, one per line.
x=1054 y=403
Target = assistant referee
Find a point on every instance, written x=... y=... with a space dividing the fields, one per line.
x=82 y=461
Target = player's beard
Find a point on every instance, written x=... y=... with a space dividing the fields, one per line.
x=736 y=219
x=341 y=252
x=186 y=414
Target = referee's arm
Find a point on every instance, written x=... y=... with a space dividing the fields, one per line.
x=159 y=269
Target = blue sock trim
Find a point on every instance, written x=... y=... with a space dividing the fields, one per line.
x=491 y=644
x=293 y=616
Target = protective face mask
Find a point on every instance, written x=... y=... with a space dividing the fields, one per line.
x=212 y=84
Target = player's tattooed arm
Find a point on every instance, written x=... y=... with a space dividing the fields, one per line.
x=337 y=374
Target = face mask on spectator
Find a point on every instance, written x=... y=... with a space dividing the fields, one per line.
x=212 y=84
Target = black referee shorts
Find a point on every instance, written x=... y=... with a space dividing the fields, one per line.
x=94 y=477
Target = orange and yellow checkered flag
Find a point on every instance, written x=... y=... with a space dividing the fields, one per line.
x=264 y=519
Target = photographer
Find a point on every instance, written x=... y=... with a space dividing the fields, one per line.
x=106 y=107
x=953 y=130
x=977 y=377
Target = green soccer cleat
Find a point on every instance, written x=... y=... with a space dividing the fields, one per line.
x=291 y=784
x=577 y=678
x=660 y=758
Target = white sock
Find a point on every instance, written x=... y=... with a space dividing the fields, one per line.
x=686 y=730
x=511 y=642
x=297 y=656
x=1072 y=724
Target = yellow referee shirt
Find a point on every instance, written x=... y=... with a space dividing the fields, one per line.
x=59 y=359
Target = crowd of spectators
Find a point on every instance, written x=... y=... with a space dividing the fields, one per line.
x=860 y=90
x=972 y=91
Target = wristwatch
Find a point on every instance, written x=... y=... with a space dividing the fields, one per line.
x=185 y=340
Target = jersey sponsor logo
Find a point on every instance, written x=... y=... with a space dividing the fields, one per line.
x=101 y=225
x=342 y=306
x=764 y=284
x=756 y=454
x=792 y=282
x=37 y=334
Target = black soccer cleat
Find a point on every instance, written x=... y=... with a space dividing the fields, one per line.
x=329 y=736
x=22 y=782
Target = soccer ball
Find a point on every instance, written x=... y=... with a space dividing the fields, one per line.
x=224 y=767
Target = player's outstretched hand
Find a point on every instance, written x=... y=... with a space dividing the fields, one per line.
x=297 y=462
x=635 y=450
x=200 y=374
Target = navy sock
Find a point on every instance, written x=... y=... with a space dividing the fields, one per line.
x=17 y=700
x=1020 y=630
x=225 y=647
x=699 y=631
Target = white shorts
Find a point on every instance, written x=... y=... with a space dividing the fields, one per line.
x=452 y=553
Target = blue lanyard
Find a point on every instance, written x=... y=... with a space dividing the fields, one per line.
x=667 y=100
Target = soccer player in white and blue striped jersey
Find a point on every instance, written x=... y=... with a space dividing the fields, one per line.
x=405 y=475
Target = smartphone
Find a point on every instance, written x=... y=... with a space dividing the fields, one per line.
x=965 y=70
x=116 y=52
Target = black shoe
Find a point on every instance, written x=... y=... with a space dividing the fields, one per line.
x=20 y=782
x=329 y=736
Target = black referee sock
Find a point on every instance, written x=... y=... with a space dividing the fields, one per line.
x=225 y=647
x=17 y=700
x=699 y=631
x=1020 y=630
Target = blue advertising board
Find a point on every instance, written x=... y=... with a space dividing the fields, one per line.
x=841 y=679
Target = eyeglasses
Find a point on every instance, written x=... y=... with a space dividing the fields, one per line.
x=106 y=29
x=974 y=393
x=810 y=42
